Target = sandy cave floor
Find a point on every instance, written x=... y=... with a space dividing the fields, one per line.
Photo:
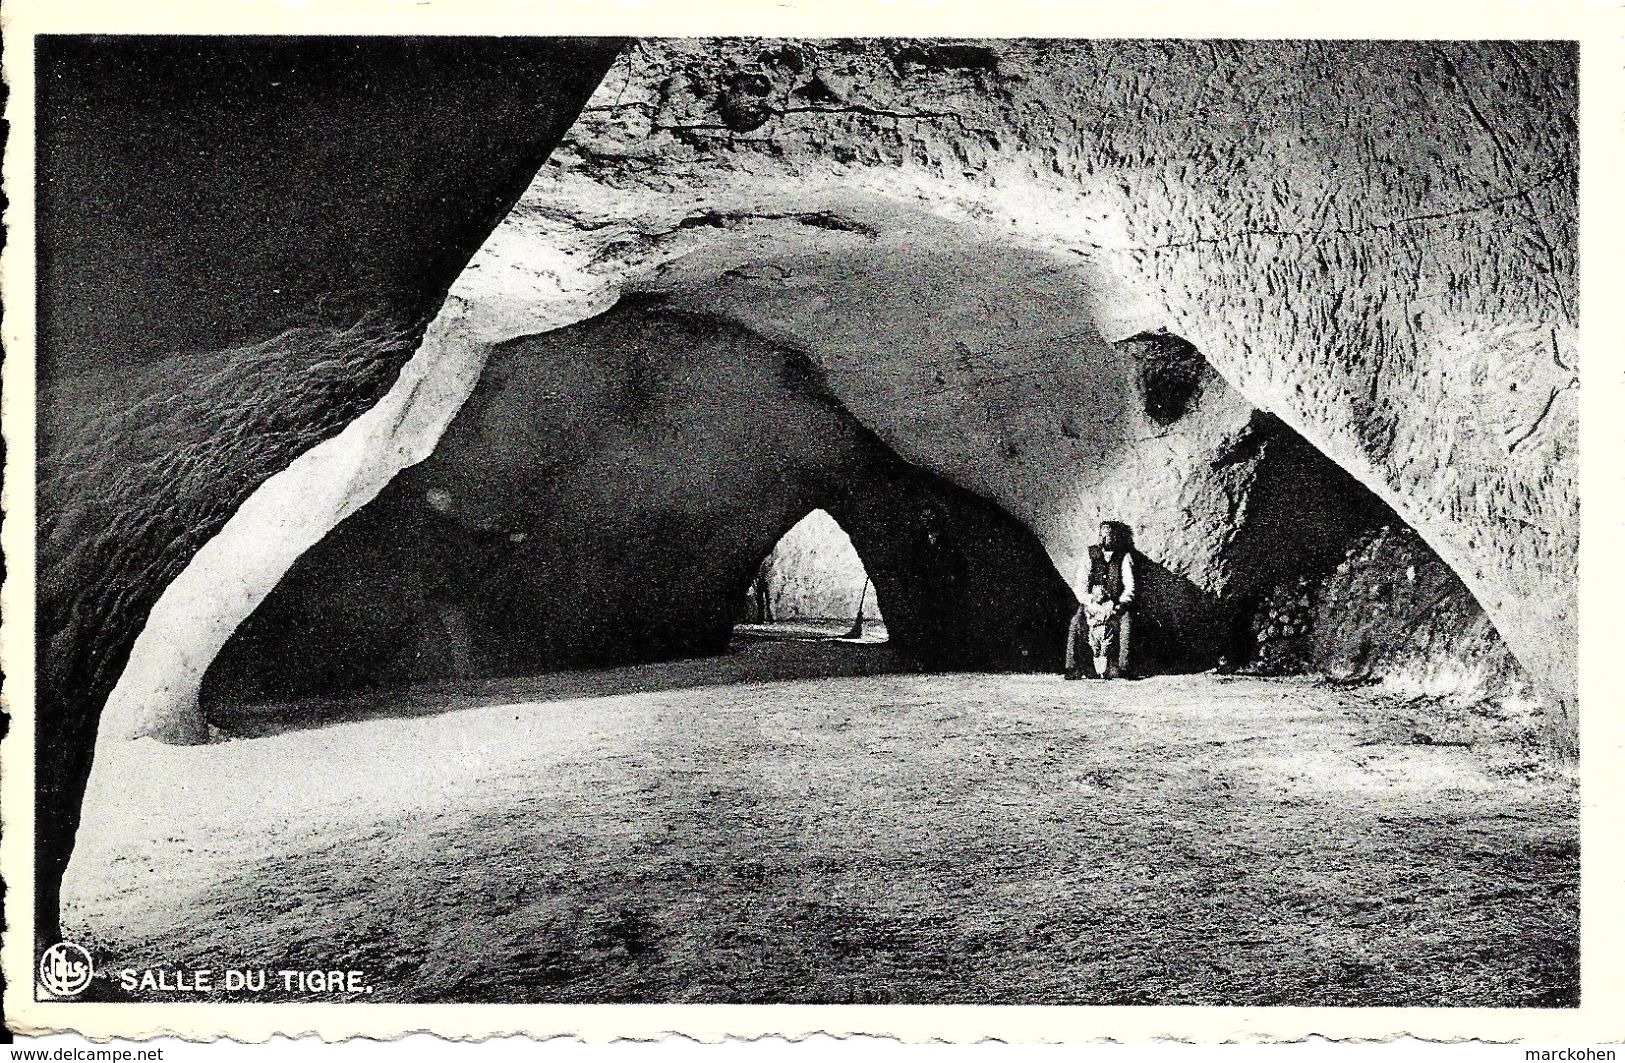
x=740 y=830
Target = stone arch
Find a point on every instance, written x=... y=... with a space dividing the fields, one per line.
x=293 y=292
x=627 y=525
x=1224 y=497
x=1140 y=291
x=963 y=584
x=970 y=459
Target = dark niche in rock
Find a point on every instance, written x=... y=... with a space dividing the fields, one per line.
x=958 y=57
x=1389 y=609
x=1170 y=373
x=742 y=104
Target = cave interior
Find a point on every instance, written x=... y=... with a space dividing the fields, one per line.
x=1304 y=324
x=614 y=490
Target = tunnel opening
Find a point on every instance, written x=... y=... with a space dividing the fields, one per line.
x=812 y=585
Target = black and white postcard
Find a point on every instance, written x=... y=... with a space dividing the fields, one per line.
x=836 y=511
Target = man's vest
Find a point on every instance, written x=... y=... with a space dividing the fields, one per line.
x=1107 y=573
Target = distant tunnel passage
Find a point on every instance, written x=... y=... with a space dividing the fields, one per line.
x=812 y=573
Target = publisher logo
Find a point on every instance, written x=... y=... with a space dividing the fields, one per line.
x=65 y=970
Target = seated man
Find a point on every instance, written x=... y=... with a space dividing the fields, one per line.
x=1111 y=567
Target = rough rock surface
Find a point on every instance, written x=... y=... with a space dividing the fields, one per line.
x=168 y=395
x=156 y=694
x=1375 y=242
x=1391 y=611
x=960 y=273
x=200 y=194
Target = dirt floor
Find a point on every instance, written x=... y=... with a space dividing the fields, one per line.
x=743 y=829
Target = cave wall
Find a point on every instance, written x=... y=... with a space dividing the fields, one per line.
x=201 y=324
x=1372 y=240
x=156 y=693
x=1275 y=239
x=673 y=457
x=963 y=585
x=1388 y=611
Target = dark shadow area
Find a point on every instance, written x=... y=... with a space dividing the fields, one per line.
x=1170 y=374
x=765 y=662
x=1175 y=623
x=1303 y=507
x=201 y=192
x=1305 y=513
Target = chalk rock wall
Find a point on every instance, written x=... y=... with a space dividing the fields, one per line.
x=1372 y=241
x=975 y=247
x=171 y=388
x=1390 y=610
